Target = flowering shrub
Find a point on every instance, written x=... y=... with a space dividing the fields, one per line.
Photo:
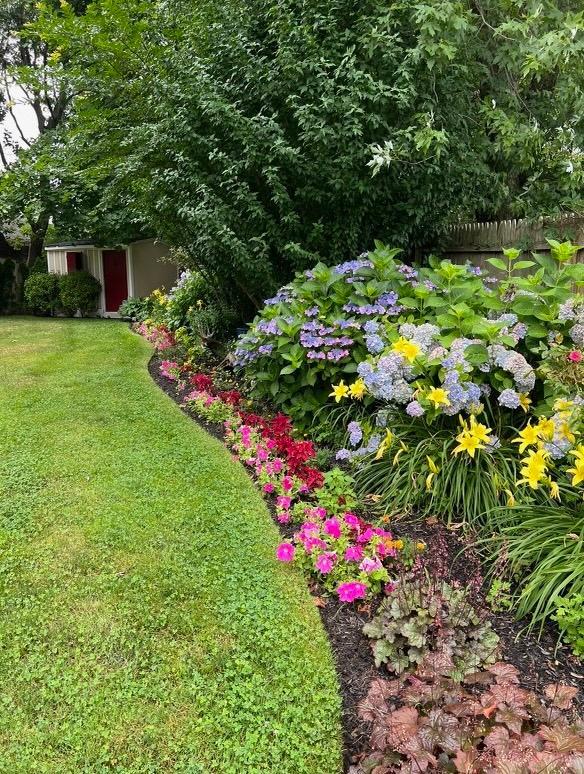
x=467 y=370
x=158 y=335
x=346 y=554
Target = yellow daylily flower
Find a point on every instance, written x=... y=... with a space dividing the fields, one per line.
x=554 y=490
x=577 y=472
x=431 y=464
x=510 y=498
x=357 y=389
x=525 y=401
x=429 y=478
x=396 y=457
x=408 y=349
x=529 y=436
x=563 y=405
x=546 y=427
x=384 y=445
x=482 y=432
x=438 y=396
x=534 y=468
x=467 y=443
x=578 y=452
x=339 y=392
x=567 y=433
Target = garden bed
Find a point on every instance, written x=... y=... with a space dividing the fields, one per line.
x=539 y=661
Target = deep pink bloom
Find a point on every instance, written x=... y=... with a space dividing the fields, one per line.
x=332 y=527
x=390 y=587
x=269 y=488
x=370 y=565
x=285 y=552
x=284 y=517
x=287 y=483
x=311 y=543
x=574 y=356
x=354 y=554
x=349 y=592
x=351 y=520
x=366 y=536
x=284 y=502
x=326 y=562
x=277 y=465
x=262 y=454
x=320 y=513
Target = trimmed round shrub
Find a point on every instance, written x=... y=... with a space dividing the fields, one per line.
x=79 y=292
x=41 y=293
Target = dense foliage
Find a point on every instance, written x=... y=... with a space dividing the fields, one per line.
x=41 y=292
x=264 y=137
x=426 y=616
x=486 y=723
x=79 y=292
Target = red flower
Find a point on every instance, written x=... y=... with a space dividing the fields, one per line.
x=574 y=356
x=202 y=382
x=312 y=477
x=253 y=420
x=232 y=397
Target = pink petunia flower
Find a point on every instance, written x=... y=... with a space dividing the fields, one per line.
x=277 y=465
x=283 y=501
x=285 y=552
x=349 y=592
x=326 y=562
x=332 y=527
x=269 y=488
x=366 y=536
x=320 y=513
x=354 y=554
x=574 y=356
x=284 y=517
x=370 y=565
x=287 y=483
x=351 y=520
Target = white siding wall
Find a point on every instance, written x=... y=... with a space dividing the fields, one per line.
x=57 y=261
x=148 y=271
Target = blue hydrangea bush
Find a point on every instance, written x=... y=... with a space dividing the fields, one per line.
x=460 y=388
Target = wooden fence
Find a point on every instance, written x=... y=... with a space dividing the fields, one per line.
x=476 y=242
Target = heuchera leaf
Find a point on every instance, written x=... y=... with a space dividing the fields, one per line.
x=402 y=725
x=504 y=673
x=561 y=695
x=440 y=730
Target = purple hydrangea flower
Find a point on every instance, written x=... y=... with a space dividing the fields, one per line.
x=414 y=409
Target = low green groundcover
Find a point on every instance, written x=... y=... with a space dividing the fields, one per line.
x=145 y=625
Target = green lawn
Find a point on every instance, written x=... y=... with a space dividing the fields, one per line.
x=145 y=625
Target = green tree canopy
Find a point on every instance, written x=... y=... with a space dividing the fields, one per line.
x=262 y=136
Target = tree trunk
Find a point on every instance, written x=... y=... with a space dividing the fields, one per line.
x=37 y=238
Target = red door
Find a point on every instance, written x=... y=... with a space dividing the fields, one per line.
x=115 y=279
x=74 y=262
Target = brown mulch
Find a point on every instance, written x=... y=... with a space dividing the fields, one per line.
x=539 y=660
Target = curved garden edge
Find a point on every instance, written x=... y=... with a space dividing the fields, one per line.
x=144 y=625
x=539 y=660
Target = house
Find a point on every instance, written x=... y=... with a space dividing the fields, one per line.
x=132 y=270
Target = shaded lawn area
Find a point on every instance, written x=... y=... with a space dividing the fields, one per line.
x=145 y=625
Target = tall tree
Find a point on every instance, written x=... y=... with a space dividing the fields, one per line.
x=29 y=71
x=263 y=136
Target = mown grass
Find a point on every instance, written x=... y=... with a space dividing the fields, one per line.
x=145 y=625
